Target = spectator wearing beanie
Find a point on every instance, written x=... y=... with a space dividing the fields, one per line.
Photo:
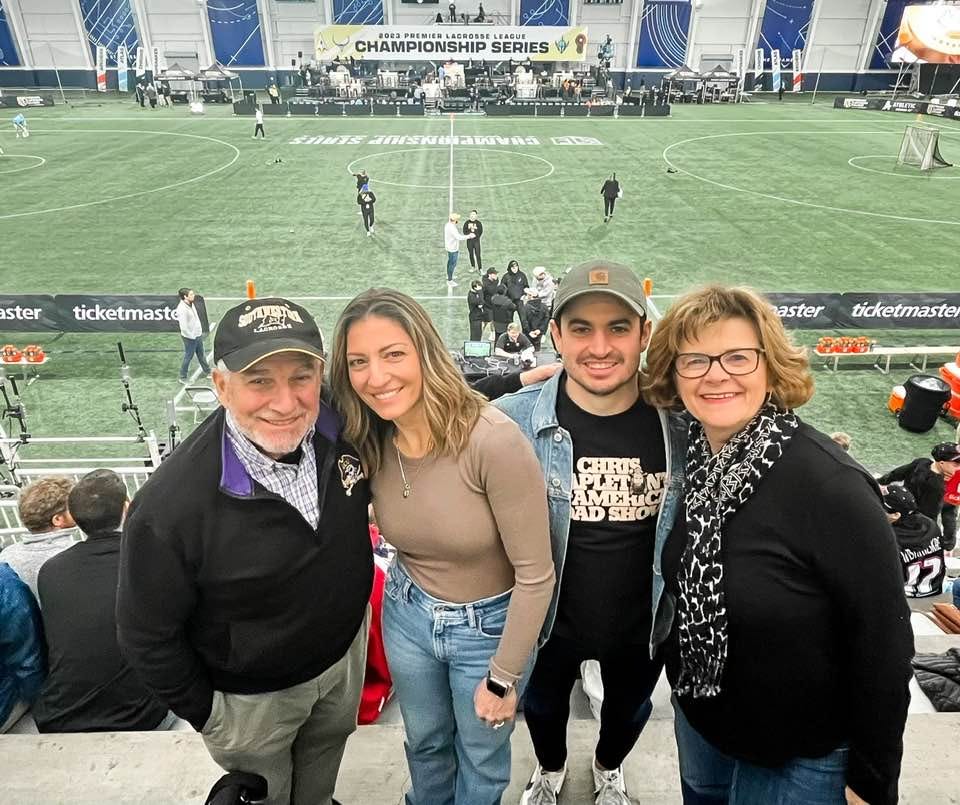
x=918 y=541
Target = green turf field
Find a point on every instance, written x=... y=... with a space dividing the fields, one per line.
x=786 y=197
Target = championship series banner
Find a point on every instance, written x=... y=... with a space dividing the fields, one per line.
x=113 y=313
x=459 y=42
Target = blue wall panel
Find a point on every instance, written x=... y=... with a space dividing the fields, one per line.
x=785 y=26
x=545 y=12
x=8 y=51
x=235 y=31
x=110 y=23
x=664 y=33
x=358 y=12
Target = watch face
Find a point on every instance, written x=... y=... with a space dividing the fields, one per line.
x=496 y=688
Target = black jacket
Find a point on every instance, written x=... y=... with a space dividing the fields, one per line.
x=610 y=189
x=939 y=678
x=366 y=200
x=515 y=282
x=927 y=489
x=477 y=306
x=538 y=317
x=502 y=309
x=89 y=688
x=224 y=585
x=490 y=289
x=921 y=555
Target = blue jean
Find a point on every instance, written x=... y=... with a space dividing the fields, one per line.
x=438 y=652
x=191 y=347
x=708 y=777
x=452 y=258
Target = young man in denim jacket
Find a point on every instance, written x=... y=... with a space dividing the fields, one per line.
x=613 y=466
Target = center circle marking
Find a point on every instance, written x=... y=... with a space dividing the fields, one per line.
x=459 y=186
x=41 y=161
x=852 y=162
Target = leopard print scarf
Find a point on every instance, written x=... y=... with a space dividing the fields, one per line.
x=716 y=486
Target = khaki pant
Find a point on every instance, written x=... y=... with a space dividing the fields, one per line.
x=294 y=737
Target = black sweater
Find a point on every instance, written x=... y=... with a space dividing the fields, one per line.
x=927 y=489
x=819 y=631
x=515 y=282
x=476 y=303
x=89 y=687
x=224 y=585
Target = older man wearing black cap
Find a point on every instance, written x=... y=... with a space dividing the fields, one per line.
x=613 y=466
x=246 y=565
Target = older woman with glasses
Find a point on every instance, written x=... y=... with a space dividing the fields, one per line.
x=789 y=651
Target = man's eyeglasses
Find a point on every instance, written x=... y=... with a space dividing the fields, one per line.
x=692 y=365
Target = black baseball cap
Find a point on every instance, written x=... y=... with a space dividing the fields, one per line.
x=601 y=276
x=899 y=500
x=259 y=328
x=946 y=451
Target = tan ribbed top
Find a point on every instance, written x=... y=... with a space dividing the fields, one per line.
x=475 y=526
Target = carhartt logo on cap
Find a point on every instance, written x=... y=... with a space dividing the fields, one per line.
x=599 y=276
x=269 y=318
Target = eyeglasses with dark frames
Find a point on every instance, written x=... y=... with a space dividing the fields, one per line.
x=736 y=362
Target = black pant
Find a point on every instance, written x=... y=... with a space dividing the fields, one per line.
x=629 y=677
x=608 y=202
x=473 y=249
x=476 y=329
x=367 y=217
x=259 y=129
x=274 y=99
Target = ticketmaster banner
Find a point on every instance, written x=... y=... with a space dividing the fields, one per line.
x=868 y=311
x=73 y=313
x=460 y=42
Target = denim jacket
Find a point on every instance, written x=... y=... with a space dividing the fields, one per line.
x=534 y=409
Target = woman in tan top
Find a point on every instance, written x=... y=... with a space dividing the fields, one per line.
x=459 y=492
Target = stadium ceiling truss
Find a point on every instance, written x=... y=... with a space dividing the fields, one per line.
x=664 y=34
x=235 y=31
x=545 y=12
x=109 y=24
x=358 y=12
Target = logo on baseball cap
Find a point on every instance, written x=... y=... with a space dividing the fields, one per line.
x=259 y=328
x=946 y=451
x=601 y=276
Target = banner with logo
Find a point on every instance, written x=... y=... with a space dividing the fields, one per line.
x=758 y=63
x=23 y=101
x=141 y=62
x=102 y=313
x=122 y=64
x=940 y=110
x=775 y=69
x=868 y=311
x=798 y=71
x=101 y=68
x=458 y=42
x=155 y=61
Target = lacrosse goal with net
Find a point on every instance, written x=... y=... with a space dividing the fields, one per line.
x=920 y=148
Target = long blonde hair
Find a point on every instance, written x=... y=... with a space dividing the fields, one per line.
x=450 y=406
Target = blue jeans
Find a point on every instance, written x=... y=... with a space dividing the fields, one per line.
x=438 y=652
x=452 y=258
x=709 y=777
x=191 y=347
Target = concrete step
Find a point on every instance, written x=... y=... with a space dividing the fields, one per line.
x=163 y=768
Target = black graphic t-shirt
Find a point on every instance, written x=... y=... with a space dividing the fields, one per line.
x=619 y=471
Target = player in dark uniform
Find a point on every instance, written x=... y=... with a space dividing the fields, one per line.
x=366 y=199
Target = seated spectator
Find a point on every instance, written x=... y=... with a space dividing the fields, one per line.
x=538 y=320
x=90 y=687
x=918 y=541
x=514 y=344
x=927 y=480
x=22 y=665
x=43 y=510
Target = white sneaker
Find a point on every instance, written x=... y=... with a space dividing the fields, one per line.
x=609 y=787
x=544 y=786
x=452 y=284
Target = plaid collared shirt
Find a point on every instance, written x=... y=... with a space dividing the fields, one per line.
x=295 y=483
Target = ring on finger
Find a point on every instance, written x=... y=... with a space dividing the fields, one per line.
x=498 y=724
